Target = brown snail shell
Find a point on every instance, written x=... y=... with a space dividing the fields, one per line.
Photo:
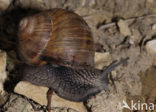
x=57 y=36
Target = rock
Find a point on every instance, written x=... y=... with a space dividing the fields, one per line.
x=83 y=2
x=154 y=27
x=3 y=77
x=124 y=29
x=18 y=104
x=60 y=102
x=33 y=93
x=11 y=60
x=105 y=103
x=38 y=94
x=4 y=4
x=92 y=17
x=3 y=74
x=154 y=62
x=96 y=19
x=3 y=98
x=136 y=36
x=47 y=4
x=153 y=95
x=150 y=1
x=92 y=3
x=83 y=11
x=151 y=47
x=101 y=59
x=37 y=4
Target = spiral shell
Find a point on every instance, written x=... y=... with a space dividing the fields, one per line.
x=56 y=36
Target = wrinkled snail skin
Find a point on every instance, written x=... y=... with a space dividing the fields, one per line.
x=57 y=48
x=72 y=84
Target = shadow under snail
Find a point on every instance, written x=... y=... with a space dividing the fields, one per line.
x=57 y=48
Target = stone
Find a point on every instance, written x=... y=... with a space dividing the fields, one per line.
x=37 y=4
x=150 y=1
x=4 y=4
x=101 y=59
x=92 y=3
x=154 y=62
x=124 y=29
x=18 y=104
x=93 y=18
x=136 y=36
x=47 y=4
x=154 y=27
x=151 y=47
x=153 y=95
x=3 y=98
x=105 y=103
x=3 y=77
x=38 y=94
x=3 y=74
x=58 y=101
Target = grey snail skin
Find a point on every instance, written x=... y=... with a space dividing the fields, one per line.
x=57 y=48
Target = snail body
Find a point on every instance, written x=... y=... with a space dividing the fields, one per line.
x=57 y=48
x=68 y=83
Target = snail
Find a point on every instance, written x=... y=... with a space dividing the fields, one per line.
x=57 y=48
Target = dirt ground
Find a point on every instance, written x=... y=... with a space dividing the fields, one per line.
x=136 y=80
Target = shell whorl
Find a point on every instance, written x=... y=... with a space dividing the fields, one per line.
x=34 y=34
x=56 y=36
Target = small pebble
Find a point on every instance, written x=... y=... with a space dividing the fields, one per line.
x=4 y=4
x=151 y=46
x=124 y=29
x=154 y=27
